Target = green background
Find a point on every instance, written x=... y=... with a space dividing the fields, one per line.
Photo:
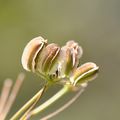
x=95 y=24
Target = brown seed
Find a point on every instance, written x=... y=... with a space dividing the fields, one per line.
x=46 y=60
x=76 y=51
x=30 y=52
x=83 y=72
x=65 y=62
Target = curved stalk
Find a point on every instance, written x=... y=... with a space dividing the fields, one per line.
x=32 y=106
x=66 y=105
x=29 y=103
x=46 y=104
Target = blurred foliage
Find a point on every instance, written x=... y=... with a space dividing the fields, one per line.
x=95 y=24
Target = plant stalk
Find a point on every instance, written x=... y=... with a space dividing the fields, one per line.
x=28 y=104
x=46 y=104
x=66 y=105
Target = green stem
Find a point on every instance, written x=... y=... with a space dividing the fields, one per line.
x=29 y=103
x=66 y=105
x=46 y=104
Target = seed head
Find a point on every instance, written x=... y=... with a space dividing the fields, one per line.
x=54 y=62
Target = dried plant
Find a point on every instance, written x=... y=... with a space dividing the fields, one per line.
x=55 y=64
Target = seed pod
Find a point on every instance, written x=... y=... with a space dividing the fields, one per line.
x=76 y=52
x=84 y=73
x=65 y=62
x=45 y=61
x=69 y=58
x=30 y=52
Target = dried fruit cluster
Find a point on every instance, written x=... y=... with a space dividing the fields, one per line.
x=56 y=63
